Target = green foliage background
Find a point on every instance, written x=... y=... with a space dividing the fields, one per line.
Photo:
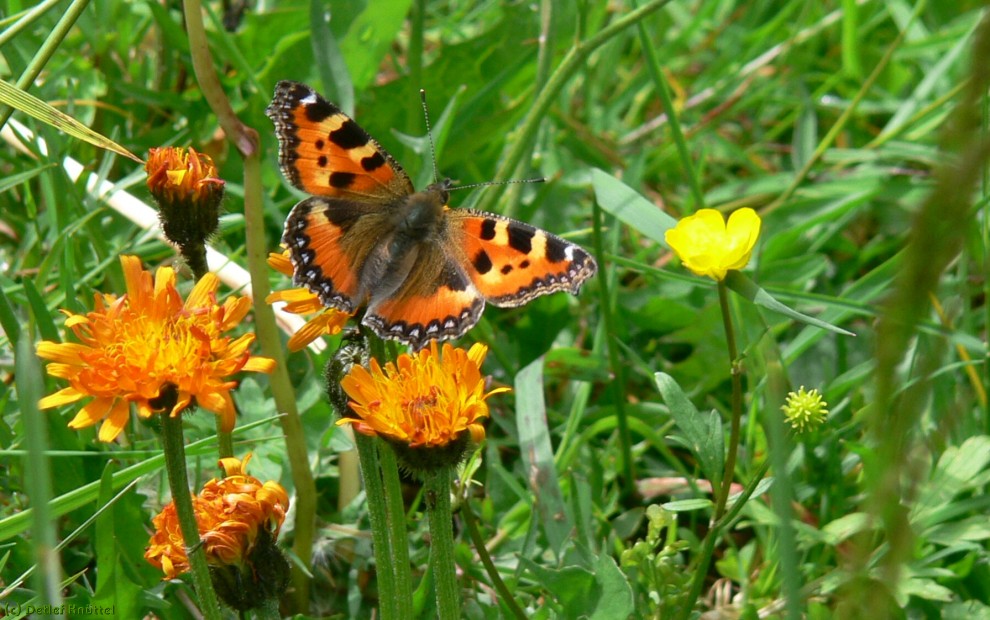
x=856 y=129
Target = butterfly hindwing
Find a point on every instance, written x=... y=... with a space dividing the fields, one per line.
x=437 y=300
x=511 y=262
x=324 y=152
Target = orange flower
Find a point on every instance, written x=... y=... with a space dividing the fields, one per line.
x=423 y=400
x=328 y=322
x=151 y=349
x=232 y=513
x=180 y=173
x=188 y=192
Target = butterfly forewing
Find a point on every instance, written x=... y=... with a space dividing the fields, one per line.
x=324 y=152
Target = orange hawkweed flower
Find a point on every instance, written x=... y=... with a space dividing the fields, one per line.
x=232 y=514
x=328 y=322
x=184 y=183
x=423 y=400
x=150 y=348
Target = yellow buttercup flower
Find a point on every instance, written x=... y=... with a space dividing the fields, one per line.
x=328 y=322
x=232 y=513
x=709 y=247
x=424 y=399
x=150 y=348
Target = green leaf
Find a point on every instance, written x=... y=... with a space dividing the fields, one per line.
x=629 y=206
x=369 y=38
x=687 y=505
x=14 y=180
x=106 y=548
x=8 y=320
x=575 y=588
x=337 y=84
x=966 y=610
x=36 y=108
x=42 y=317
x=742 y=284
x=956 y=472
x=537 y=454
x=616 y=600
x=703 y=433
x=845 y=527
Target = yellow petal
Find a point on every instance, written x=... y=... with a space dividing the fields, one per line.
x=64 y=396
x=115 y=422
x=201 y=295
x=93 y=412
x=65 y=352
x=256 y=363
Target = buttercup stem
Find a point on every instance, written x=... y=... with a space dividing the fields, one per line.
x=175 y=465
x=442 y=544
x=374 y=492
x=736 y=371
x=708 y=544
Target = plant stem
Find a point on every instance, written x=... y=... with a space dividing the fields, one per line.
x=663 y=90
x=479 y=545
x=178 y=482
x=374 y=491
x=736 y=372
x=195 y=256
x=708 y=545
x=442 y=544
x=246 y=141
x=398 y=533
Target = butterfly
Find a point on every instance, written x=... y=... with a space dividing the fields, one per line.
x=366 y=237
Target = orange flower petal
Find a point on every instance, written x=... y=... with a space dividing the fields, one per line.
x=64 y=396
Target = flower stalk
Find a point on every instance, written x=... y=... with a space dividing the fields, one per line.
x=734 y=432
x=442 y=544
x=374 y=491
x=178 y=481
x=397 y=531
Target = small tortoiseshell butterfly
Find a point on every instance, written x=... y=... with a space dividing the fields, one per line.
x=366 y=236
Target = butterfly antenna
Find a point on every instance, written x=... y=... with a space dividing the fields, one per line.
x=429 y=133
x=509 y=182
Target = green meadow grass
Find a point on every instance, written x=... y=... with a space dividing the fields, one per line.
x=856 y=129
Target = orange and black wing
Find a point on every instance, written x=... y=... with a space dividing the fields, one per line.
x=436 y=301
x=511 y=262
x=324 y=152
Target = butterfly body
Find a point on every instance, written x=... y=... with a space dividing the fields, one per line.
x=366 y=237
